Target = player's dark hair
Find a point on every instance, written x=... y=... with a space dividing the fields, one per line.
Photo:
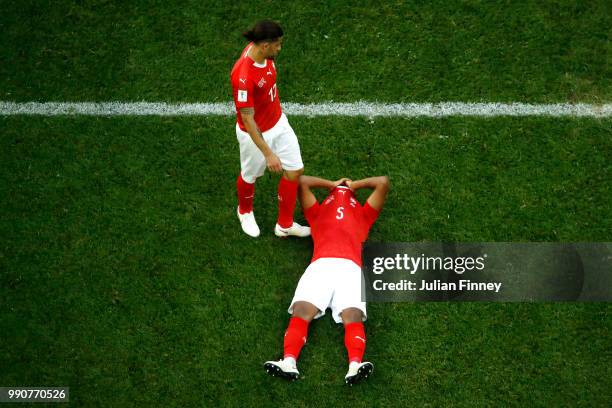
x=264 y=30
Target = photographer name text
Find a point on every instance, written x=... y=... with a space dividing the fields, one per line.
x=436 y=285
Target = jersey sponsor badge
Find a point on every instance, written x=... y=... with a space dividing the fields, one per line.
x=242 y=96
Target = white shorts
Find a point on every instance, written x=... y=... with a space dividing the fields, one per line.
x=283 y=142
x=333 y=283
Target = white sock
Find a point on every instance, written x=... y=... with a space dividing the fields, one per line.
x=291 y=361
x=353 y=364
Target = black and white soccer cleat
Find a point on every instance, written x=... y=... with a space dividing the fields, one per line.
x=358 y=372
x=282 y=368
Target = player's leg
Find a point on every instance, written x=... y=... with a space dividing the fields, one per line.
x=287 y=148
x=311 y=298
x=348 y=308
x=354 y=334
x=355 y=343
x=297 y=330
x=293 y=341
x=252 y=166
x=287 y=195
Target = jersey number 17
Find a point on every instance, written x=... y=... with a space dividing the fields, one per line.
x=272 y=92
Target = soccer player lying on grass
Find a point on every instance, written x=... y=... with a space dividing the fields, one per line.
x=339 y=226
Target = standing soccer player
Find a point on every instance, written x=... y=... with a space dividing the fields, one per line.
x=265 y=137
x=340 y=224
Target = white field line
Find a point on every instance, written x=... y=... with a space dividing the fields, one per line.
x=368 y=109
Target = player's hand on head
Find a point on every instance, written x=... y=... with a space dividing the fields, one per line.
x=349 y=184
x=339 y=182
x=274 y=163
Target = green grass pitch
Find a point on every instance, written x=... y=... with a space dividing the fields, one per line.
x=124 y=273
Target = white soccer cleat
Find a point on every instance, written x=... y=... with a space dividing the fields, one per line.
x=282 y=368
x=295 y=230
x=248 y=223
x=358 y=372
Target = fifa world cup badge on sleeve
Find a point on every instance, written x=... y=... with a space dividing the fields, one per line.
x=242 y=96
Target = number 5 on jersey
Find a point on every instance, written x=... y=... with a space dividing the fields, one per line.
x=340 y=213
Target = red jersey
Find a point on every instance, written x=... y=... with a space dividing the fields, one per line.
x=254 y=86
x=340 y=225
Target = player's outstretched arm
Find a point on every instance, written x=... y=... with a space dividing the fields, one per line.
x=380 y=185
x=248 y=118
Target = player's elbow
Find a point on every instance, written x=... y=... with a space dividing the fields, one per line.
x=247 y=115
x=384 y=183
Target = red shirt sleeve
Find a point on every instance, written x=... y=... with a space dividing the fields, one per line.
x=312 y=212
x=243 y=93
x=369 y=214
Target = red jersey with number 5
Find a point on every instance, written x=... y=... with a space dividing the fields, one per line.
x=340 y=225
x=254 y=86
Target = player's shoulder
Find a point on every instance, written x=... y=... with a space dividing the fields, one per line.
x=312 y=210
x=314 y=206
x=246 y=49
x=241 y=74
x=242 y=64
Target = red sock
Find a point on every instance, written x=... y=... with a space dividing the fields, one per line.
x=246 y=192
x=354 y=340
x=287 y=193
x=295 y=337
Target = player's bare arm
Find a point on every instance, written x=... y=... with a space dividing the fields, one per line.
x=380 y=185
x=248 y=118
x=306 y=183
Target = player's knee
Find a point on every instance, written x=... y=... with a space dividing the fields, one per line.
x=305 y=310
x=293 y=175
x=352 y=315
x=250 y=178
